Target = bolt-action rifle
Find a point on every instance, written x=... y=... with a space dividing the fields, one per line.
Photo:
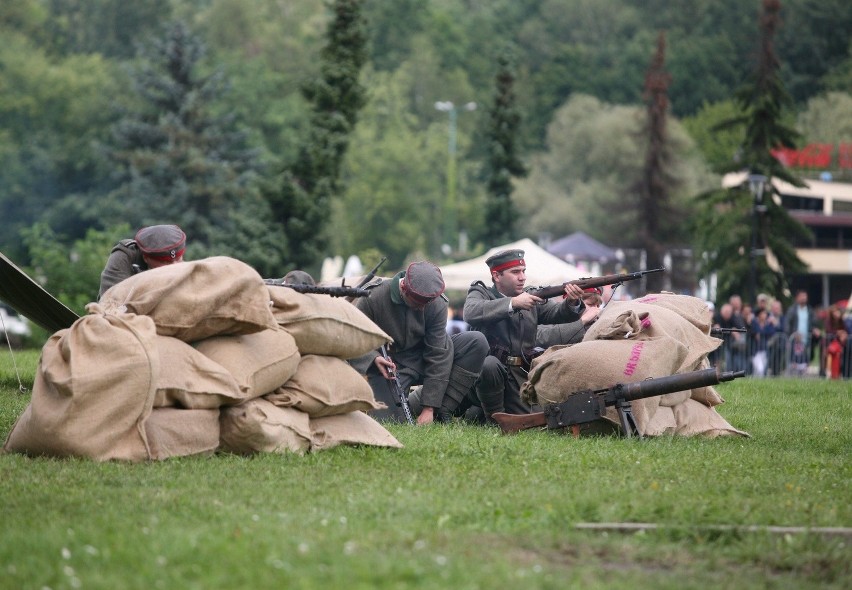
x=372 y=274
x=588 y=405
x=589 y=282
x=723 y=331
x=342 y=291
x=396 y=388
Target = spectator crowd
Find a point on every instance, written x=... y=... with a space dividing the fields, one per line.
x=763 y=339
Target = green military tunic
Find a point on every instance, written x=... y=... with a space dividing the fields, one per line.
x=421 y=349
x=511 y=335
x=124 y=261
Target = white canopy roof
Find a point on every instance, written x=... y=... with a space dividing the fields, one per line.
x=543 y=268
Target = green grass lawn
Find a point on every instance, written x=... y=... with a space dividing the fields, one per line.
x=458 y=507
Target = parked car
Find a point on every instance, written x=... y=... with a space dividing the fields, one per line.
x=14 y=328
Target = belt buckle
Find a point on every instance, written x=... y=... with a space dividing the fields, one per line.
x=514 y=361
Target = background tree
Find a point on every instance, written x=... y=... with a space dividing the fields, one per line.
x=302 y=205
x=179 y=163
x=503 y=160
x=656 y=215
x=723 y=226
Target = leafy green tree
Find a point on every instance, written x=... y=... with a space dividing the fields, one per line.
x=179 y=163
x=70 y=269
x=109 y=27
x=302 y=205
x=733 y=225
x=720 y=147
x=582 y=180
x=827 y=118
x=52 y=111
x=503 y=162
x=393 y=174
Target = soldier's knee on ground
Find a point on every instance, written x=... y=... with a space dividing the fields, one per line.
x=414 y=400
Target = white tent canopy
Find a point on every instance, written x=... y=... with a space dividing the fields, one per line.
x=543 y=268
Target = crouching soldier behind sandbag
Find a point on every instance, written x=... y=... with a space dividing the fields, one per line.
x=509 y=317
x=411 y=309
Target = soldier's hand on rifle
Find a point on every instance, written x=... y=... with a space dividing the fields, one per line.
x=525 y=301
x=573 y=292
x=386 y=367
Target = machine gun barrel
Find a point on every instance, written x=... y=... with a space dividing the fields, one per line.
x=587 y=405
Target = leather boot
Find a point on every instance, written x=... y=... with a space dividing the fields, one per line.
x=459 y=387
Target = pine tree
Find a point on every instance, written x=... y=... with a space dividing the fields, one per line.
x=302 y=204
x=656 y=213
x=177 y=161
x=733 y=227
x=503 y=162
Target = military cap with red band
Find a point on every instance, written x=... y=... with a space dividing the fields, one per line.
x=423 y=282
x=161 y=242
x=505 y=259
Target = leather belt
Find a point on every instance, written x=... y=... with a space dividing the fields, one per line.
x=514 y=361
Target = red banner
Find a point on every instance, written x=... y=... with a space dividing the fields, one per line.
x=816 y=155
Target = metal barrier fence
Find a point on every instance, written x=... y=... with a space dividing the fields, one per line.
x=784 y=356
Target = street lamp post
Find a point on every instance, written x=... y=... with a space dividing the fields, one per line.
x=450 y=205
x=757 y=186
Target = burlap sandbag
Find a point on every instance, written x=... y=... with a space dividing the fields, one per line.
x=599 y=364
x=175 y=432
x=661 y=423
x=692 y=309
x=195 y=300
x=636 y=320
x=94 y=388
x=325 y=326
x=355 y=428
x=260 y=362
x=257 y=426
x=325 y=386
x=189 y=379
x=694 y=418
x=707 y=395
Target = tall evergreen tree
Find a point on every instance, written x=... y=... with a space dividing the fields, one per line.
x=656 y=213
x=735 y=226
x=503 y=163
x=180 y=163
x=302 y=204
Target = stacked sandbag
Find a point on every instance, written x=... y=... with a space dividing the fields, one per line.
x=322 y=404
x=652 y=337
x=178 y=360
x=94 y=390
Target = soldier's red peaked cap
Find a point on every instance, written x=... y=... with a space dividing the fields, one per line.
x=505 y=259
x=161 y=242
x=423 y=281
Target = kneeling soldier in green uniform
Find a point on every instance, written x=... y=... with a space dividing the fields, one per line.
x=411 y=309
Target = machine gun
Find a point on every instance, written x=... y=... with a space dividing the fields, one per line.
x=342 y=291
x=588 y=405
x=396 y=388
x=589 y=282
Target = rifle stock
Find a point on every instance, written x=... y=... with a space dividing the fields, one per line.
x=587 y=405
x=589 y=282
